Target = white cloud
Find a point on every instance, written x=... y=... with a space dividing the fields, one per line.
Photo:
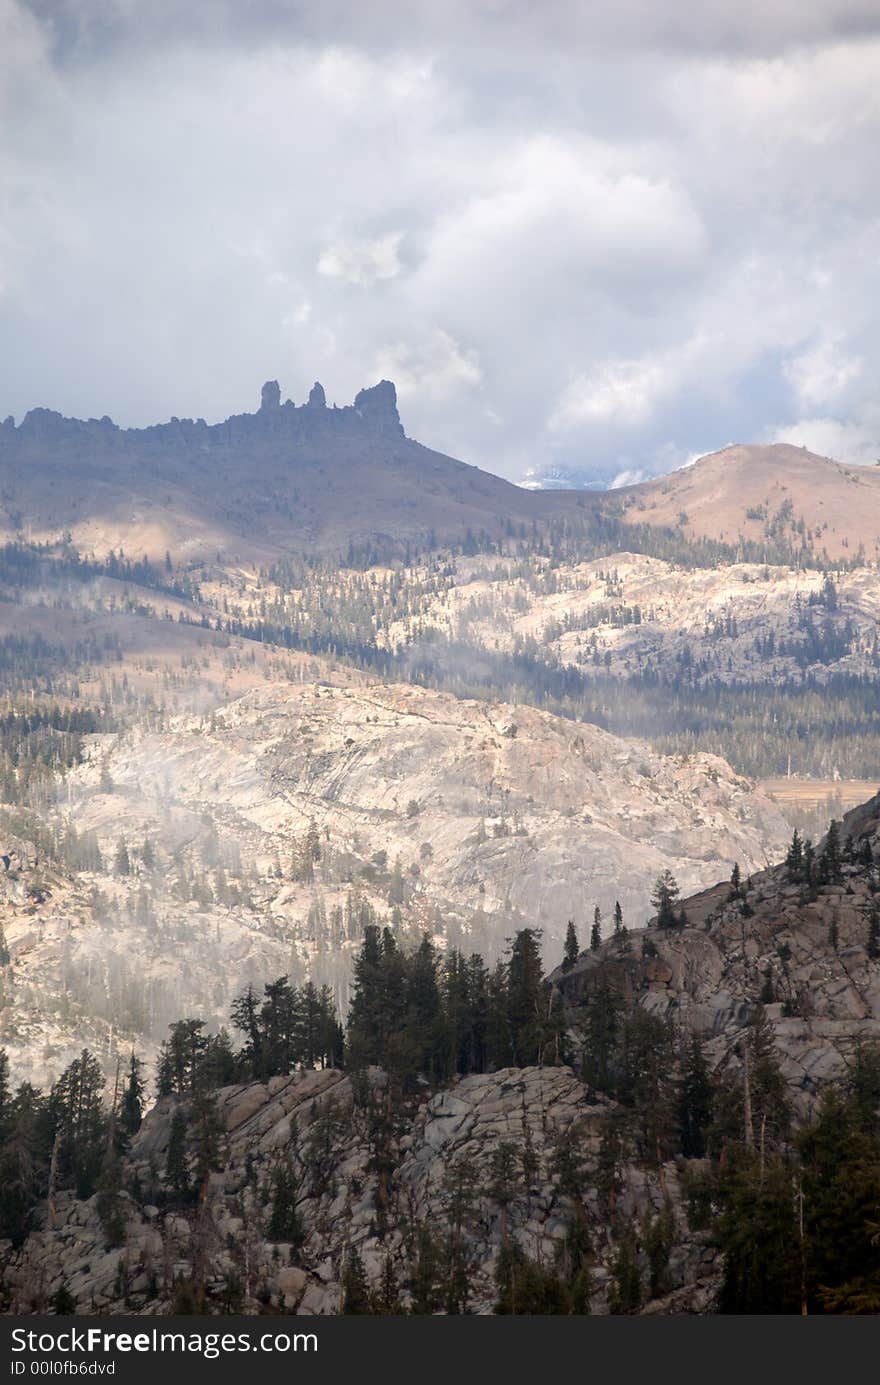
x=630 y=476
x=856 y=441
x=437 y=368
x=363 y=262
x=624 y=391
x=821 y=374
x=655 y=231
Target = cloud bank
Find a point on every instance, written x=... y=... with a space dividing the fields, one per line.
x=594 y=239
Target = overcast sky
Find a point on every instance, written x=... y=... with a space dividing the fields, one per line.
x=601 y=236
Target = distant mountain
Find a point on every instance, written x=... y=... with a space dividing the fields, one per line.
x=319 y=479
x=286 y=478
x=777 y=493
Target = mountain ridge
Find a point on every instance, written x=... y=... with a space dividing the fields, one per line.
x=348 y=481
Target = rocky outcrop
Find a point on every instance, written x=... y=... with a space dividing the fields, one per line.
x=801 y=951
x=378 y=408
x=341 y=1202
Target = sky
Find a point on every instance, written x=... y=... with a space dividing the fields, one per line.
x=592 y=240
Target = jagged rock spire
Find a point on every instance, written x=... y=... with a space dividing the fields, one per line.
x=378 y=407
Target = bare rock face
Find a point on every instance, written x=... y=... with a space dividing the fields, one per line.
x=317 y=397
x=340 y=1197
x=270 y=396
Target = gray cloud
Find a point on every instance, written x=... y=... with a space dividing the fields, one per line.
x=592 y=237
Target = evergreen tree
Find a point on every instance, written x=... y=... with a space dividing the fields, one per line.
x=63 y=1302
x=626 y=1294
x=831 y=858
x=526 y=999
x=571 y=951
x=499 y=1048
x=246 y=1019
x=110 y=1204
x=425 y=1283
x=873 y=944
x=646 y=1082
x=386 y=1299
x=78 y=1124
x=794 y=856
x=207 y=1135
x=503 y=1186
x=695 y=1104
x=284 y=1220
x=356 y=1298
x=600 y=1030
x=596 y=930
x=23 y=1163
x=131 y=1108
x=121 y=862
x=176 y=1162
x=664 y=897
x=758 y=1231
x=526 y=1287
x=5 y=1093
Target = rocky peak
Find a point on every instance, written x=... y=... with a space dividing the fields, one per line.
x=378 y=407
x=317 y=397
x=270 y=396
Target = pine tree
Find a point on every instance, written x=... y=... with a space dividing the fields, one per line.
x=131 y=1108
x=695 y=1103
x=386 y=1300
x=794 y=859
x=600 y=1030
x=618 y=919
x=79 y=1124
x=596 y=930
x=207 y=1136
x=63 y=1302
x=664 y=897
x=525 y=998
x=426 y=1279
x=831 y=858
x=504 y=1185
x=571 y=951
x=355 y=1286
x=5 y=1092
x=121 y=862
x=110 y=1205
x=284 y=1220
x=626 y=1294
x=176 y=1162
x=873 y=944
x=770 y=1108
